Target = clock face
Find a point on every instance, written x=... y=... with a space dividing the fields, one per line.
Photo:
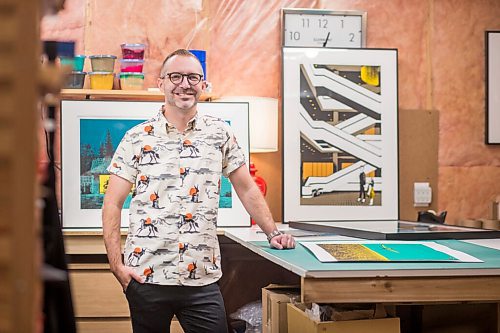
x=320 y=28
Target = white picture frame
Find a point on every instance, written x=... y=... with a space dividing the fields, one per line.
x=492 y=130
x=81 y=198
x=336 y=127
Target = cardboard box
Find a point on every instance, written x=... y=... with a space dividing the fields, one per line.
x=299 y=322
x=274 y=312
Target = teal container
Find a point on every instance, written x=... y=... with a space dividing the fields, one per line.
x=79 y=62
x=76 y=63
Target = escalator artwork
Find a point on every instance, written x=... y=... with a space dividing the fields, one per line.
x=340 y=130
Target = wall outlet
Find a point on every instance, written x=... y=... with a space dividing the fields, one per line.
x=422 y=194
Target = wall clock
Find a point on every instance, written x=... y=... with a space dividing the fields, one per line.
x=323 y=28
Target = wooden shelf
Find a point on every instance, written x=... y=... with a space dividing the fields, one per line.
x=98 y=232
x=90 y=241
x=133 y=95
x=88 y=232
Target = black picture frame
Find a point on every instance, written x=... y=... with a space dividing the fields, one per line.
x=492 y=80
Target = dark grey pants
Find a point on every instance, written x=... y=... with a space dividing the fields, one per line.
x=198 y=309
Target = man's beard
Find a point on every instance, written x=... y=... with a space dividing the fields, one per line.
x=188 y=91
x=179 y=92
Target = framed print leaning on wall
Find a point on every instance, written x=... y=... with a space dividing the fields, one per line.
x=492 y=87
x=90 y=134
x=340 y=134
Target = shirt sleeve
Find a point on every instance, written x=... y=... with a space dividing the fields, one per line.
x=124 y=162
x=232 y=154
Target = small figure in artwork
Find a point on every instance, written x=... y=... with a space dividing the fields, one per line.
x=371 y=191
x=362 y=183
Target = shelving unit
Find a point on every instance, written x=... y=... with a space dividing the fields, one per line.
x=139 y=95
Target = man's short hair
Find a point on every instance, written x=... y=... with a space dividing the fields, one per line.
x=178 y=52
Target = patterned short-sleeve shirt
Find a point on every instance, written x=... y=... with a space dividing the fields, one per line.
x=172 y=237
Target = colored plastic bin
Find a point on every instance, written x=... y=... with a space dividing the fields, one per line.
x=133 y=51
x=102 y=62
x=131 y=65
x=74 y=80
x=101 y=80
x=131 y=81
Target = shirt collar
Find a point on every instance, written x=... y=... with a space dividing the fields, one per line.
x=164 y=123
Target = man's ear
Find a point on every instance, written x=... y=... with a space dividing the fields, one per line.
x=159 y=83
x=204 y=85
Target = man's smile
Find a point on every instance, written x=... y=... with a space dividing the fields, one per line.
x=184 y=93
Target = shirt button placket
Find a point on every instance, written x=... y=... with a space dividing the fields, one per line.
x=180 y=204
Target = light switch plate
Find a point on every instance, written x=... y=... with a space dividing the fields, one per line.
x=422 y=194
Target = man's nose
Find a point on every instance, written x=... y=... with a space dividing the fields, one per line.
x=185 y=83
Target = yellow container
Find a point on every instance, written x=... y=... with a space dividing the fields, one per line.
x=101 y=80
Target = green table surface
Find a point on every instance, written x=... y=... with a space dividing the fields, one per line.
x=303 y=259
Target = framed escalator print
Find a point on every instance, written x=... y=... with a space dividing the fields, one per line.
x=340 y=132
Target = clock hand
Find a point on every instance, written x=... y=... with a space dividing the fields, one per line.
x=326 y=40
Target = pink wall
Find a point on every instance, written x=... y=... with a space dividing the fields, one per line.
x=441 y=66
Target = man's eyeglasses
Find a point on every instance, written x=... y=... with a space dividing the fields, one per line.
x=177 y=78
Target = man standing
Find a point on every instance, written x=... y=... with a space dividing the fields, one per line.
x=172 y=253
x=362 y=183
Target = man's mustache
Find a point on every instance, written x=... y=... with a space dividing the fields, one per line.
x=187 y=91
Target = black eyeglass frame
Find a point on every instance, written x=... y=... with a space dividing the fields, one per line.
x=198 y=77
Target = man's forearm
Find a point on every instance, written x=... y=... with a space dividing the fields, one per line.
x=255 y=204
x=252 y=199
x=111 y=220
x=257 y=207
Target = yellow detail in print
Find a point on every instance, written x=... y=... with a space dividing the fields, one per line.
x=103 y=183
x=370 y=75
x=352 y=252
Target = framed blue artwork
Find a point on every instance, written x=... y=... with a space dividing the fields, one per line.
x=90 y=133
